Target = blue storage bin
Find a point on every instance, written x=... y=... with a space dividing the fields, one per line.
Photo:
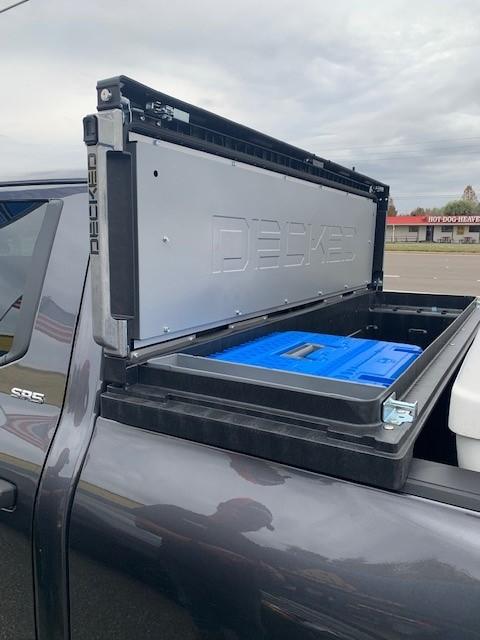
x=352 y=359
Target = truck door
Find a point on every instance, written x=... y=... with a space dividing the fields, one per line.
x=42 y=267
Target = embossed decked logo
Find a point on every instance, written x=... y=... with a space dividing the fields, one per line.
x=92 y=203
x=243 y=243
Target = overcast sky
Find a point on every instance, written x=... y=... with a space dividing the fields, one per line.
x=392 y=88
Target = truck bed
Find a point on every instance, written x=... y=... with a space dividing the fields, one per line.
x=323 y=425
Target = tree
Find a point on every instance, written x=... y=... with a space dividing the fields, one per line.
x=469 y=195
x=419 y=211
x=459 y=208
x=392 y=210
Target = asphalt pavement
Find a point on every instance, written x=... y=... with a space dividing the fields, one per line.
x=432 y=272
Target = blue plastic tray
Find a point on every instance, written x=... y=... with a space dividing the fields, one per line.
x=318 y=354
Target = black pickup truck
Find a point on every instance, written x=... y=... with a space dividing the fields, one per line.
x=148 y=490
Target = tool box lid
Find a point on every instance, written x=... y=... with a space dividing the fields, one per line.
x=206 y=222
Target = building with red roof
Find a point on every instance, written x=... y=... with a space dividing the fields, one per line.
x=458 y=229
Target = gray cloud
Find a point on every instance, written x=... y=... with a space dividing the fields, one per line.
x=391 y=88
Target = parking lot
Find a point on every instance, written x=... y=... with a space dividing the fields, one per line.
x=432 y=272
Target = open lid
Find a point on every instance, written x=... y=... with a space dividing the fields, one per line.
x=199 y=221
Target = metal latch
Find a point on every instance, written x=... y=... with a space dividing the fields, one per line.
x=395 y=412
x=166 y=112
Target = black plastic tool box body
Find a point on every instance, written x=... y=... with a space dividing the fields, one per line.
x=210 y=234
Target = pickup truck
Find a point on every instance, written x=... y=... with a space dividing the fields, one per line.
x=149 y=491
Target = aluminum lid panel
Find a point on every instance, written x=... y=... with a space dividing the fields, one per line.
x=220 y=240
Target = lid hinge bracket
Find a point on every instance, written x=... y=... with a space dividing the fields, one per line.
x=397 y=412
x=377 y=281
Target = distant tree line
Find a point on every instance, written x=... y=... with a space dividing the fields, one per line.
x=467 y=204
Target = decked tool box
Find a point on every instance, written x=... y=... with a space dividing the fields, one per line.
x=206 y=235
x=316 y=354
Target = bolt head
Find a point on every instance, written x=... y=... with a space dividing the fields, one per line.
x=106 y=95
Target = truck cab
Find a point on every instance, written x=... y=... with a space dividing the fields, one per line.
x=150 y=490
x=43 y=263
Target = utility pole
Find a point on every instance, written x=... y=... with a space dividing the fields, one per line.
x=12 y=6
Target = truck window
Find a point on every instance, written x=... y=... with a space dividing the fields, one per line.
x=20 y=224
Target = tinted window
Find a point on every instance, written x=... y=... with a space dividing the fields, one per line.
x=20 y=224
